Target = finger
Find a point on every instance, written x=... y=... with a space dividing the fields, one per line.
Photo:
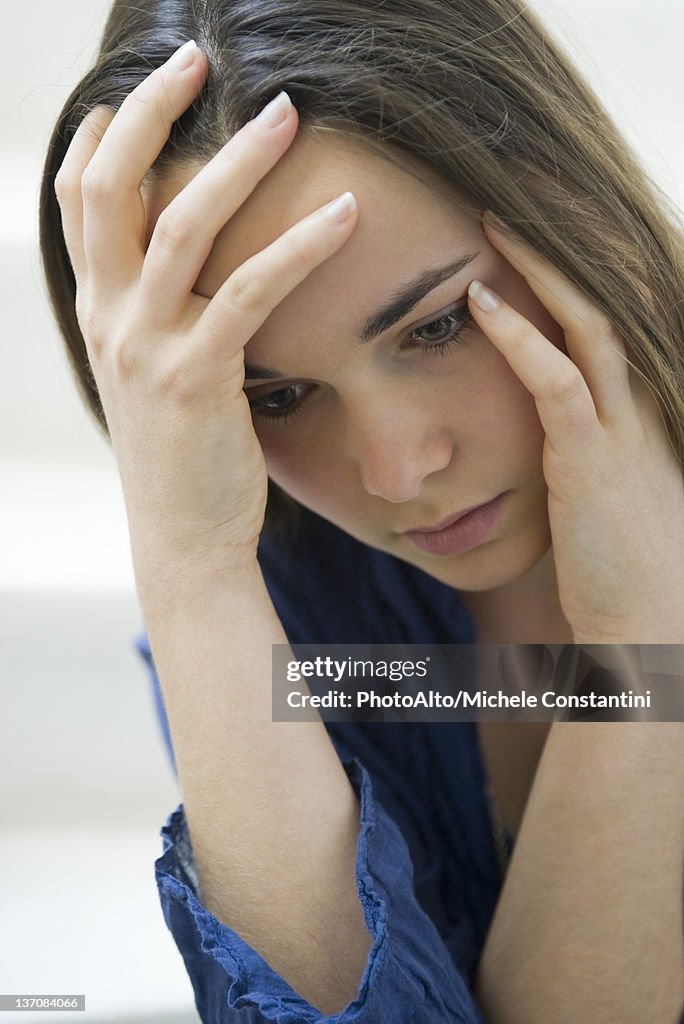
x=251 y=293
x=564 y=403
x=591 y=339
x=83 y=145
x=187 y=228
x=114 y=212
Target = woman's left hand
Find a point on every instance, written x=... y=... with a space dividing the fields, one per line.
x=616 y=486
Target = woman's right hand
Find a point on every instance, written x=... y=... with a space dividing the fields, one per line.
x=169 y=363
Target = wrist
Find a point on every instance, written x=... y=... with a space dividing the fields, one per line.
x=173 y=577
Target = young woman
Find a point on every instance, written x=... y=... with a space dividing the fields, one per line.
x=302 y=398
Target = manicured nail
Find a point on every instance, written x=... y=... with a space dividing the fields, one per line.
x=487 y=300
x=183 y=57
x=339 y=209
x=275 y=112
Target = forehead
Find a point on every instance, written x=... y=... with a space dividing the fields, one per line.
x=316 y=167
x=407 y=223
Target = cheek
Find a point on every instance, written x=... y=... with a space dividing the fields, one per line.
x=285 y=458
x=303 y=466
x=491 y=417
x=498 y=422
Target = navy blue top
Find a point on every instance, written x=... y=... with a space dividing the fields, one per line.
x=427 y=867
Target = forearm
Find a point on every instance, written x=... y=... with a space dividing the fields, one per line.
x=589 y=922
x=272 y=817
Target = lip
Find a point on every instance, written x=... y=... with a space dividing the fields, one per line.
x=449 y=521
x=461 y=531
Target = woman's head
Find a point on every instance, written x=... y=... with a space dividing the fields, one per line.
x=376 y=404
x=430 y=112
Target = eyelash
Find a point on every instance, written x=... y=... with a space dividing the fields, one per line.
x=462 y=318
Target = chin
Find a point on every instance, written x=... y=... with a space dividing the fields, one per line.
x=495 y=564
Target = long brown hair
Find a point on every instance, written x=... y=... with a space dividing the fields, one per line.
x=474 y=89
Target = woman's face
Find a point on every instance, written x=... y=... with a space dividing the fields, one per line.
x=384 y=435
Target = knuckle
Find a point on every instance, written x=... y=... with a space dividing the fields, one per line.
x=126 y=359
x=174 y=382
x=234 y=166
x=598 y=323
x=247 y=290
x=304 y=246
x=519 y=337
x=96 y=122
x=173 y=229
x=91 y=323
x=62 y=184
x=144 y=93
x=568 y=386
x=151 y=98
x=95 y=187
x=81 y=308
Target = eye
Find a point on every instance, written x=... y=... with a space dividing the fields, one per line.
x=434 y=337
x=281 y=405
x=438 y=335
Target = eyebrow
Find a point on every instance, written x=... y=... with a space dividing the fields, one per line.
x=398 y=306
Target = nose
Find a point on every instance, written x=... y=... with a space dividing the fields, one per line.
x=396 y=445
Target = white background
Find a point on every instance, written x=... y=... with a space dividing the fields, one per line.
x=84 y=780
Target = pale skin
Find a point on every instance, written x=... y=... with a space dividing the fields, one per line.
x=174 y=291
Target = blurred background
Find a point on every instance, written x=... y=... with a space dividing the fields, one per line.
x=85 y=782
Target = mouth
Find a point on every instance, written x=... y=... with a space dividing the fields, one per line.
x=460 y=531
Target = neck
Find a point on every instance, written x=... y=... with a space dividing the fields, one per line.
x=526 y=611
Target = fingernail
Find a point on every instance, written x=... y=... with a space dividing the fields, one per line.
x=487 y=300
x=183 y=57
x=275 y=112
x=339 y=209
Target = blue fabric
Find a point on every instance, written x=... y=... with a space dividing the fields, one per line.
x=427 y=872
